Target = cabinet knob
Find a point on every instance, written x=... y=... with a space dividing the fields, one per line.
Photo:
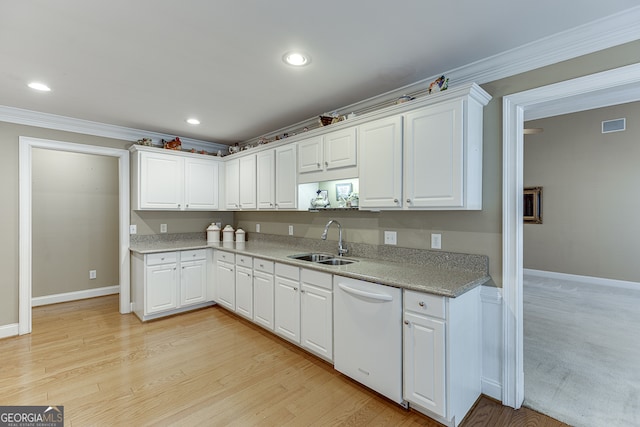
x=421 y=304
x=187 y=205
x=395 y=201
x=408 y=200
x=318 y=164
x=271 y=205
x=302 y=291
x=295 y=289
x=276 y=205
x=406 y=322
x=326 y=163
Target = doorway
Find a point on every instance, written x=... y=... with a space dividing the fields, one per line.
x=27 y=144
x=597 y=90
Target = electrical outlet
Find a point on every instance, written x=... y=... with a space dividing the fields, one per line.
x=163 y=228
x=436 y=241
x=257 y=228
x=390 y=238
x=92 y=274
x=291 y=230
x=133 y=229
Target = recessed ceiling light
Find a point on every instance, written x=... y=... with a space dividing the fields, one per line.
x=193 y=121
x=296 y=59
x=39 y=86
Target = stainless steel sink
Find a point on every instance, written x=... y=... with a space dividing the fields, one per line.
x=337 y=261
x=312 y=257
x=324 y=259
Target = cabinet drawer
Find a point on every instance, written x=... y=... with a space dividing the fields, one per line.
x=161 y=258
x=225 y=256
x=263 y=265
x=288 y=271
x=427 y=304
x=317 y=278
x=193 y=255
x=244 y=261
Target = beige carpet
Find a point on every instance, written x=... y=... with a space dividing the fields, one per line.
x=582 y=352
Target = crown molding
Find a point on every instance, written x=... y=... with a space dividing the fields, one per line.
x=86 y=127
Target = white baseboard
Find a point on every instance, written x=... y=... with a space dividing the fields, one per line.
x=10 y=330
x=73 y=296
x=491 y=304
x=584 y=279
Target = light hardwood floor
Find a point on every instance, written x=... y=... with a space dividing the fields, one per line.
x=206 y=367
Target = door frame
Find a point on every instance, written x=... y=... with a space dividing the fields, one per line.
x=617 y=86
x=27 y=144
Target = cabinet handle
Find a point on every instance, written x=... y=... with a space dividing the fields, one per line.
x=421 y=304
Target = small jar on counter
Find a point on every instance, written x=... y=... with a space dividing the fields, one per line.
x=227 y=234
x=240 y=235
x=213 y=233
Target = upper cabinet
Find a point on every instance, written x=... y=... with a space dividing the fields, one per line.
x=425 y=158
x=173 y=181
x=276 y=183
x=240 y=183
x=328 y=157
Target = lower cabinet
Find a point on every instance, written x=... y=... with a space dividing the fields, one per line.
x=287 y=302
x=263 y=289
x=225 y=282
x=442 y=354
x=316 y=312
x=169 y=282
x=244 y=286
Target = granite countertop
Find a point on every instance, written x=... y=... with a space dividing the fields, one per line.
x=440 y=273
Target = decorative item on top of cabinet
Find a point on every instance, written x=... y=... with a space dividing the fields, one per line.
x=439 y=84
x=174 y=144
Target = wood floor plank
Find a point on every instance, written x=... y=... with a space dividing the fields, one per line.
x=208 y=367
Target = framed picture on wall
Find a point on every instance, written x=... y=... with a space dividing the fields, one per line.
x=343 y=190
x=532 y=205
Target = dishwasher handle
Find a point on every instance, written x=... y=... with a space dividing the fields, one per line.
x=372 y=295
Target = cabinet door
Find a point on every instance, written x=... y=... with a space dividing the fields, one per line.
x=380 y=152
x=434 y=156
x=232 y=184
x=286 y=187
x=161 y=288
x=161 y=181
x=310 y=155
x=226 y=285
x=244 y=292
x=287 y=309
x=247 y=182
x=201 y=184
x=266 y=186
x=193 y=282
x=424 y=362
x=263 y=299
x=340 y=149
x=316 y=320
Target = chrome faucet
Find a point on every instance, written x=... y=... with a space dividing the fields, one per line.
x=342 y=250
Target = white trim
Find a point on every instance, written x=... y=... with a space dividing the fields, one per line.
x=25 y=239
x=600 y=281
x=10 y=330
x=86 y=127
x=74 y=296
x=491 y=309
x=573 y=95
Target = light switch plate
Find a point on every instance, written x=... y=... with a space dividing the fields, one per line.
x=257 y=228
x=163 y=228
x=390 y=238
x=291 y=230
x=133 y=229
x=436 y=241
x=92 y=274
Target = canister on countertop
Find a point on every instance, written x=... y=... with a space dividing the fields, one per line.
x=227 y=234
x=240 y=235
x=213 y=233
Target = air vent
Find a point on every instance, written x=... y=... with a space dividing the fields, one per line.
x=617 y=125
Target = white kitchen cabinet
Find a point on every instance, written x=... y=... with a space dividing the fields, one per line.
x=440 y=149
x=240 y=183
x=263 y=293
x=169 y=282
x=193 y=278
x=380 y=153
x=441 y=354
x=276 y=178
x=316 y=312
x=328 y=157
x=287 y=302
x=173 y=181
x=244 y=286
x=225 y=292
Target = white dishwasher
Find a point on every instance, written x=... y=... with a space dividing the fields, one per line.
x=367 y=325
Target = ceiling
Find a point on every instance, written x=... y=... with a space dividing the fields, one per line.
x=151 y=64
